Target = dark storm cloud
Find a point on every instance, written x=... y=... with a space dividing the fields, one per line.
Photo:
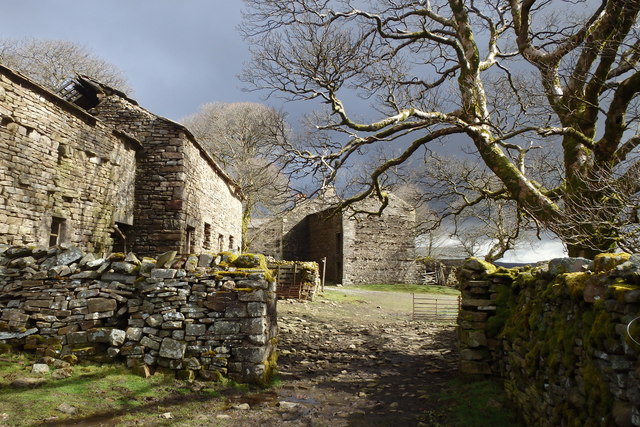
x=177 y=55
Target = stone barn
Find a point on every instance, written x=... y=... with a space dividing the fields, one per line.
x=359 y=248
x=90 y=167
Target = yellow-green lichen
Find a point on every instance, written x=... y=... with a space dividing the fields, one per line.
x=504 y=305
x=607 y=262
x=226 y=259
x=619 y=289
x=574 y=283
x=474 y=262
x=117 y=256
x=271 y=364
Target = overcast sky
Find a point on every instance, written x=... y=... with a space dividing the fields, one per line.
x=176 y=55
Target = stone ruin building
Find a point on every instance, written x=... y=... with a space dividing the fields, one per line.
x=88 y=166
x=86 y=172
x=359 y=248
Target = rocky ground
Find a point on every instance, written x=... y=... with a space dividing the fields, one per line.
x=353 y=364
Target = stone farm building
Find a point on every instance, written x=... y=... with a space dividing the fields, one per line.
x=90 y=167
x=359 y=248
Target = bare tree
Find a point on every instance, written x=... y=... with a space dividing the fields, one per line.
x=499 y=74
x=449 y=196
x=51 y=62
x=247 y=140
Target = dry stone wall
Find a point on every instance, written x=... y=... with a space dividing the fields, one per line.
x=563 y=336
x=46 y=144
x=207 y=316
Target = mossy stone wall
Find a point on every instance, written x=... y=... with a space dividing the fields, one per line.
x=562 y=336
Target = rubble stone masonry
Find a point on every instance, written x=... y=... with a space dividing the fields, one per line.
x=184 y=201
x=364 y=247
x=210 y=316
x=60 y=169
x=103 y=172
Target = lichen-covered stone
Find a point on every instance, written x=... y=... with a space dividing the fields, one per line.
x=101 y=304
x=568 y=265
x=163 y=273
x=123 y=267
x=69 y=256
x=559 y=342
x=607 y=262
x=133 y=334
x=172 y=349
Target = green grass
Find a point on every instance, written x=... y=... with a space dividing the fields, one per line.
x=337 y=296
x=422 y=289
x=477 y=404
x=101 y=393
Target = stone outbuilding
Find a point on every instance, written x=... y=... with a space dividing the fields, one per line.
x=90 y=167
x=359 y=248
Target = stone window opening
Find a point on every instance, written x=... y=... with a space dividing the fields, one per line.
x=338 y=243
x=231 y=243
x=5 y=120
x=190 y=240
x=206 y=241
x=120 y=237
x=63 y=152
x=56 y=234
x=220 y=242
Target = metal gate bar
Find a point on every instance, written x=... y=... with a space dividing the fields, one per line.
x=430 y=308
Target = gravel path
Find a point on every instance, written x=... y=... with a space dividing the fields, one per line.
x=353 y=364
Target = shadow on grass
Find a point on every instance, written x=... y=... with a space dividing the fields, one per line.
x=76 y=381
x=133 y=395
x=147 y=408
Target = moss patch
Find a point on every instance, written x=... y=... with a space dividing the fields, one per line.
x=607 y=262
x=574 y=283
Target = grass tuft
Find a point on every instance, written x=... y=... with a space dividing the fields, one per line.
x=478 y=404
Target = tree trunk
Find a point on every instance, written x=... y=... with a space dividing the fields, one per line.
x=246 y=218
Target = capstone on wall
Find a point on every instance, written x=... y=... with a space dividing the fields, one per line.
x=64 y=175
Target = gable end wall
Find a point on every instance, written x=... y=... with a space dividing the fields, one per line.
x=59 y=162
